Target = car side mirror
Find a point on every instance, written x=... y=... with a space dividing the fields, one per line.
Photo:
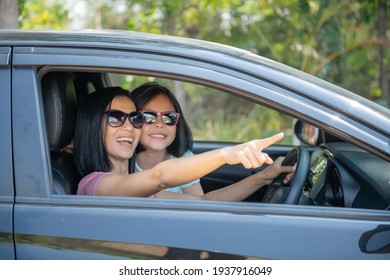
x=306 y=133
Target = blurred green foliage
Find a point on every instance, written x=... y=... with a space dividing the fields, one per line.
x=43 y=14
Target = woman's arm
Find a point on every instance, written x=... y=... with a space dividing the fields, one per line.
x=244 y=188
x=174 y=172
x=237 y=191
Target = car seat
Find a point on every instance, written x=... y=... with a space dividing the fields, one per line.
x=60 y=106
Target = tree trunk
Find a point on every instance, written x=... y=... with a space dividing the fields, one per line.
x=384 y=80
x=9 y=12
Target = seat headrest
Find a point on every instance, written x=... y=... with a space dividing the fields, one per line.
x=59 y=97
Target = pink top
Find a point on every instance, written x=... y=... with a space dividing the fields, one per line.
x=88 y=185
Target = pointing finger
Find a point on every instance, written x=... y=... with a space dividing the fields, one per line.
x=271 y=140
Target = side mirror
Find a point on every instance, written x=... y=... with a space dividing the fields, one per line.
x=306 y=133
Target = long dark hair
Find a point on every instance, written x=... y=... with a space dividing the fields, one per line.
x=183 y=140
x=90 y=154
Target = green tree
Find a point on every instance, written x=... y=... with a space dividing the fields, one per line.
x=43 y=14
x=335 y=40
x=330 y=39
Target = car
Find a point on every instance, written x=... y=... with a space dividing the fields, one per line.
x=336 y=207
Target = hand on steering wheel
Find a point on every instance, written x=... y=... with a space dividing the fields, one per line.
x=289 y=193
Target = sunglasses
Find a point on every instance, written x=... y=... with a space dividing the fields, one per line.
x=168 y=118
x=116 y=118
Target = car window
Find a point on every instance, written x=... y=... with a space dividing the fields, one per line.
x=214 y=115
x=217 y=118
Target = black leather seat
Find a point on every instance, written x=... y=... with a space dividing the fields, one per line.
x=60 y=104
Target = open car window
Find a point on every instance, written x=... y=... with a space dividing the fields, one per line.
x=218 y=118
x=214 y=115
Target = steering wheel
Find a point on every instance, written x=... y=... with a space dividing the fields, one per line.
x=290 y=193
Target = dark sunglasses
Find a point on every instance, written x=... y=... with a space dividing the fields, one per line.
x=168 y=118
x=116 y=118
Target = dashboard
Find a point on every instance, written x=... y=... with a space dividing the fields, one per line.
x=342 y=175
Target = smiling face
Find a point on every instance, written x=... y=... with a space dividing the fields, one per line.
x=121 y=141
x=158 y=136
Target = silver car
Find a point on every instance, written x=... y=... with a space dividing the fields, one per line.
x=336 y=207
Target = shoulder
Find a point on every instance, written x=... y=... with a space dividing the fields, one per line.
x=88 y=185
x=94 y=176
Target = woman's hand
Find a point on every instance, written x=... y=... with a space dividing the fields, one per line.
x=250 y=154
x=271 y=172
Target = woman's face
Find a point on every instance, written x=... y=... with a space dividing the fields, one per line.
x=121 y=141
x=158 y=136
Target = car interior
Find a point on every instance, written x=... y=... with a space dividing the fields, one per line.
x=62 y=91
x=332 y=172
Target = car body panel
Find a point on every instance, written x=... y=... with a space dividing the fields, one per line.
x=278 y=232
x=6 y=162
x=49 y=226
x=32 y=176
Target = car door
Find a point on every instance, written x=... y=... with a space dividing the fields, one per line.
x=50 y=226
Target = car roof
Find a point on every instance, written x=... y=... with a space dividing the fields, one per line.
x=106 y=38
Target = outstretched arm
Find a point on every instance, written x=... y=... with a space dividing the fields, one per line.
x=240 y=190
x=179 y=171
x=244 y=188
